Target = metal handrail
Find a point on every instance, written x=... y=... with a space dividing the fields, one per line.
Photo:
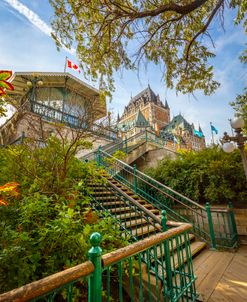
x=153 y=180
x=66 y=114
x=168 y=195
x=46 y=285
x=137 y=204
x=142 y=245
x=149 y=213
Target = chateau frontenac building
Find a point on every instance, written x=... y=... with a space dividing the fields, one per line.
x=147 y=111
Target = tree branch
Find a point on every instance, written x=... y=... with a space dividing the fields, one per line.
x=204 y=28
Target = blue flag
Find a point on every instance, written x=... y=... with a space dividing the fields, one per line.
x=213 y=129
x=198 y=133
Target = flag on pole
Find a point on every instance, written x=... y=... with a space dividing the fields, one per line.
x=72 y=65
x=198 y=133
x=213 y=129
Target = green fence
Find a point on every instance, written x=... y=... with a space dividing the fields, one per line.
x=131 y=273
x=216 y=226
x=129 y=144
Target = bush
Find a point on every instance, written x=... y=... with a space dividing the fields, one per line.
x=210 y=175
x=46 y=220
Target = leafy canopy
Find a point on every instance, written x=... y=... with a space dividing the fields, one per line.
x=168 y=33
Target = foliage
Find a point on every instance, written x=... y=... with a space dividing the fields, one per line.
x=210 y=175
x=168 y=33
x=240 y=105
x=46 y=219
x=4 y=84
x=119 y=155
x=8 y=190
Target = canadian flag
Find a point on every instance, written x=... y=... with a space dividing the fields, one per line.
x=73 y=66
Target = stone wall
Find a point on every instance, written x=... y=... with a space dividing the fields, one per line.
x=152 y=157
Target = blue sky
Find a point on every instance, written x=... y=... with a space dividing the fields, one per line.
x=25 y=45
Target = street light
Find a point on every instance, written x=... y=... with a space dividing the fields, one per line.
x=33 y=84
x=237 y=124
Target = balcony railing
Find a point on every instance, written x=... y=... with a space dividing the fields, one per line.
x=55 y=115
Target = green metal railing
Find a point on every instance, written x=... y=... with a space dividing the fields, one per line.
x=55 y=115
x=122 y=275
x=130 y=144
x=134 y=220
x=216 y=226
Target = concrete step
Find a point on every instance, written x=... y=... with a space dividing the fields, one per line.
x=99 y=197
x=122 y=210
x=112 y=204
x=144 y=230
x=128 y=215
x=135 y=222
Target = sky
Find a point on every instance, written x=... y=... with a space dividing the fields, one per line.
x=26 y=45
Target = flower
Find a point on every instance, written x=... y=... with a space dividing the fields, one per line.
x=2 y=202
x=4 y=84
x=8 y=190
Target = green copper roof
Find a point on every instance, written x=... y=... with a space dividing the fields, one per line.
x=140 y=121
x=178 y=121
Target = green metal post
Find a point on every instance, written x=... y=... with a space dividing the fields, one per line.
x=211 y=225
x=135 y=178
x=233 y=221
x=99 y=156
x=146 y=135
x=126 y=146
x=95 y=281
x=167 y=256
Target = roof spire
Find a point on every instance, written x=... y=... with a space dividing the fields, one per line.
x=200 y=129
x=166 y=104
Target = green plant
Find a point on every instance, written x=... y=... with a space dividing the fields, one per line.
x=46 y=227
x=206 y=176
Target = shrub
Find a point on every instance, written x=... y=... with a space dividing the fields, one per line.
x=45 y=226
x=209 y=175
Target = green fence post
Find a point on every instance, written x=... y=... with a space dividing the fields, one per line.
x=95 y=281
x=167 y=256
x=126 y=146
x=233 y=222
x=135 y=178
x=211 y=225
x=146 y=135
x=99 y=156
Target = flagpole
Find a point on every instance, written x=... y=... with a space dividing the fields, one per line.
x=65 y=65
x=65 y=81
x=212 y=133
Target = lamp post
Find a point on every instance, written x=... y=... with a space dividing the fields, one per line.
x=32 y=84
x=237 y=124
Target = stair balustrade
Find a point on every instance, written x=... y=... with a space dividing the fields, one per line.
x=121 y=275
x=215 y=226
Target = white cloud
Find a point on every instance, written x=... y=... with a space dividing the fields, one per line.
x=33 y=18
x=30 y=15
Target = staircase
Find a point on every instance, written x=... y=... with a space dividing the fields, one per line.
x=137 y=218
x=215 y=226
x=134 y=146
